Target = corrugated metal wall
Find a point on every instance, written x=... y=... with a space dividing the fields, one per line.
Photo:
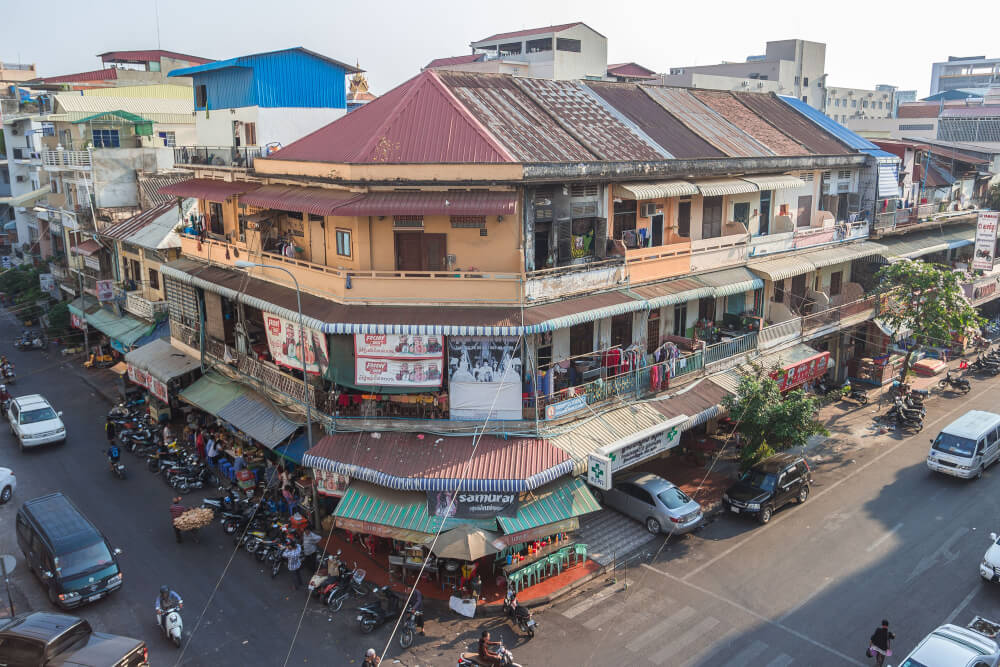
x=226 y=88
x=283 y=79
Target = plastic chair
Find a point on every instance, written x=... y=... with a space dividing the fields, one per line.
x=554 y=561
x=580 y=550
x=540 y=568
x=564 y=555
x=515 y=580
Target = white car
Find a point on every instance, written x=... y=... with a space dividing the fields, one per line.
x=989 y=569
x=952 y=646
x=33 y=421
x=7 y=484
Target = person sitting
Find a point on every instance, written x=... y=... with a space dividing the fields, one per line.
x=486 y=655
x=371 y=659
x=114 y=454
x=4 y=394
x=167 y=599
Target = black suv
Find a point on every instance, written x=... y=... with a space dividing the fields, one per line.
x=41 y=639
x=769 y=485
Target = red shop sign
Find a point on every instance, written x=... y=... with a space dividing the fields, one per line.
x=796 y=374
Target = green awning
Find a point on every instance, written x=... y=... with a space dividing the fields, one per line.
x=731 y=281
x=122 y=328
x=212 y=392
x=563 y=499
x=401 y=510
x=113 y=115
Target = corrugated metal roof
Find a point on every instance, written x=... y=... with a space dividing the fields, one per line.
x=979 y=111
x=151 y=185
x=919 y=110
x=207 y=188
x=405 y=510
x=631 y=70
x=404 y=461
x=471 y=202
x=565 y=313
x=264 y=59
x=582 y=113
x=109 y=74
x=258 y=418
x=699 y=399
x=587 y=436
x=154 y=228
x=158 y=109
x=86 y=248
x=727 y=381
x=148 y=55
x=419 y=121
x=917 y=244
x=724 y=186
x=530 y=31
x=731 y=281
x=782 y=267
x=212 y=392
x=851 y=139
x=792 y=123
x=162 y=360
x=727 y=106
x=124 y=329
x=847 y=252
x=665 y=129
x=775 y=182
x=456 y=60
x=318 y=201
x=516 y=120
x=160 y=90
x=705 y=122
x=654 y=190
x=670 y=292
x=565 y=499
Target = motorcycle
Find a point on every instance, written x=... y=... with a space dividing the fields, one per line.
x=409 y=628
x=30 y=341
x=905 y=416
x=854 y=393
x=472 y=659
x=172 y=626
x=327 y=573
x=119 y=470
x=981 y=365
x=519 y=614
x=955 y=383
x=348 y=583
x=374 y=615
x=233 y=500
x=9 y=376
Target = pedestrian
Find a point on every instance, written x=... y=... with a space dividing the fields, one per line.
x=109 y=428
x=199 y=444
x=310 y=549
x=168 y=434
x=371 y=659
x=290 y=500
x=176 y=509
x=293 y=553
x=239 y=463
x=211 y=449
x=477 y=587
x=881 y=640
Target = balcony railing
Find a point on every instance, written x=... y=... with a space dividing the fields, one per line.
x=665 y=261
x=217 y=156
x=574 y=279
x=731 y=348
x=66 y=158
x=770 y=244
x=848 y=231
x=140 y=303
x=810 y=236
x=718 y=252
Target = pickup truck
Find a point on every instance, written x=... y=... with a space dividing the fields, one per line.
x=42 y=639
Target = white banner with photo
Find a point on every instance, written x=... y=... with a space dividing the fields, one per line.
x=399 y=346
x=986 y=241
x=415 y=373
x=285 y=344
x=484 y=377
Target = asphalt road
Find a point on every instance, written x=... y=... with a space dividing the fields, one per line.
x=879 y=537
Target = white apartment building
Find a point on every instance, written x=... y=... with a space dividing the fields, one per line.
x=27 y=182
x=844 y=104
x=964 y=72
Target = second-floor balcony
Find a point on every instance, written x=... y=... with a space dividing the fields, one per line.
x=145 y=303
x=574 y=279
x=726 y=250
x=656 y=263
x=59 y=159
x=240 y=157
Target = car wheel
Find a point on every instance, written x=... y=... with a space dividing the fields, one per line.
x=979 y=472
x=765 y=514
x=598 y=496
x=5 y=495
x=803 y=493
x=20 y=443
x=653 y=526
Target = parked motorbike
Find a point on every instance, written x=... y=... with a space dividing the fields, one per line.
x=905 y=416
x=473 y=660
x=519 y=614
x=373 y=615
x=327 y=573
x=349 y=582
x=955 y=383
x=854 y=393
x=981 y=365
x=173 y=626
x=30 y=340
x=232 y=500
x=409 y=628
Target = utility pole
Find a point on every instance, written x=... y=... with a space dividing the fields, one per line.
x=83 y=309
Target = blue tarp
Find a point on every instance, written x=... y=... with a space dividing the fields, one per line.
x=295 y=450
x=161 y=330
x=851 y=139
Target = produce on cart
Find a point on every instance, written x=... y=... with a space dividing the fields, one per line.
x=194 y=519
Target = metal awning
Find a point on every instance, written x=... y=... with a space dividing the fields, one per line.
x=256 y=416
x=888 y=180
x=567 y=498
x=775 y=182
x=88 y=248
x=318 y=201
x=654 y=190
x=837 y=254
x=731 y=281
x=468 y=202
x=207 y=188
x=925 y=243
x=782 y=267
x=623 y=303
x=588 y=435
x=124 y=329
x=671 y=292
x=162 y=360
x=725 y=186
x=212 y=392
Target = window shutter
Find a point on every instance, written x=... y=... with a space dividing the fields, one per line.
x=600 y=237
x=564 y=236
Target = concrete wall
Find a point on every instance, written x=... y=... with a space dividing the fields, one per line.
x=592 y=61
x=215 y=128
x=287 y=125
x=893 y=128
x=113 y=172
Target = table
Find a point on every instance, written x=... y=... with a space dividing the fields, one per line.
x=405 y=564
x=537 y=556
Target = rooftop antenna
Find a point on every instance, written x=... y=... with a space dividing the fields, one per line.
x=156 y=8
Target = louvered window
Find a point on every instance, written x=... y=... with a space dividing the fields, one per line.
x=584 y=190
x=408 y=221
x=182 y=301
x=468 y=221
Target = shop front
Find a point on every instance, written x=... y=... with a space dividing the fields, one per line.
x=632 y=450
x=163 y=370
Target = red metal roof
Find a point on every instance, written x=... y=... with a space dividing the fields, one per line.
x=318 y=201
x=918 y=110
x=707 y=123
x=531 y=31
x=792 y=123
x=727 y=106
x=145 y=56
x=473 y=202
x=419 y=121
x=456 y=60
x=406 y=455
x=206 y=188
x=87 y=248
x=109 y=74
x=631 y=70
x=123 y=230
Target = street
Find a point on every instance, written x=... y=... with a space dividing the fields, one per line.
x=880 y=536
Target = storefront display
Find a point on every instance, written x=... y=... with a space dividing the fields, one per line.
x=471 y=505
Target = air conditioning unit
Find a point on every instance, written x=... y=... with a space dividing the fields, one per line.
x=647 y=210
x=13 y=130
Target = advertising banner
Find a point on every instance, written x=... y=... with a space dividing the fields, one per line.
x=986 y=241
x=285 y=343
x=77 y=322
x=397 y=372
x=331 y=483
x=399 y=346
x=564 y=526
x=484 y=377
x=144 y=379
x=105 y=290
x=471 y=504
x=802 y=372
x=638 y=447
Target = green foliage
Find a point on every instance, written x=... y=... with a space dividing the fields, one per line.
x=763 y=415
x=750 y=455
x=993 y=197
x=59 y=319
x=18 y=280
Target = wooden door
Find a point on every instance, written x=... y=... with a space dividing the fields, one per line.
x=764 y=224
x=798 y=291
x=803 y=217
x=656 y=222
x=684 y=219
x=711 y=218
x=435 y=249
x=621 y=330
x=317 y=241
x=408 y=251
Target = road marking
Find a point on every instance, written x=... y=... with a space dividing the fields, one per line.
x=782 y=660
x=760 y=617
x=942 y=553
x=581 y=607
x=615 y=610
x=964 y=603
x=743 y=658
x=659 y=631
x=888 y=534
x=821 y=493
x=675 y=644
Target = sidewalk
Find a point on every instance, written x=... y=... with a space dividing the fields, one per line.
x=101 y=380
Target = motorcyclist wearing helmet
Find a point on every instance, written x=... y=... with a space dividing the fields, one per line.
x=4 y=394
x=114 y=454
x=165 y=600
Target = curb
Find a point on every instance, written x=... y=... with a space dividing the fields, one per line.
x=96 y=386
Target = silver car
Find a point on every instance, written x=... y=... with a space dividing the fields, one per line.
x=649 y=498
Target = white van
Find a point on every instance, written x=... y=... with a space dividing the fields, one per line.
x=966 y=446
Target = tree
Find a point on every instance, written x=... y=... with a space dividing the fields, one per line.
x=928 y=300
x=993 y=197
x=768 y=421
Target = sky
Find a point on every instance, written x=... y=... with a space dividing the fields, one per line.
x=867 y=42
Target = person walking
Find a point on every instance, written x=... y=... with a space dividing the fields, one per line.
x=199 y=443
x=211 y=449
x=293 y=553
x=310 y=549
x=110 y=430
x=881 y=641
x=176 y=509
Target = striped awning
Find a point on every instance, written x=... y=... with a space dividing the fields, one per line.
x=654 y=190
x=725 y=186
x=782 y=267
x=731 y=281
x=565 y=499
x=775 y=182
x=628 y=304
x=838 y=254
x=672 y=292
x=258 y=418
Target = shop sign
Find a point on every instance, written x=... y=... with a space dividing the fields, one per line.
x=399 y=346
x=802 y=372
x=145 y=379
x=564 y=526
x=105 y=290
x=638 y=447
x=599 y=471
x=562 y=408
x=92 y=263
x=986 y=240
x=397 y=372
x=285 y=343
x=484 y=375
x=77 y=322
x=331 y=483
x=471 y=504
x=381 y=530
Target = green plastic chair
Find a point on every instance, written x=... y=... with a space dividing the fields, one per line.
x=515 y=580
x=528 y=576
x=581 y=551
x=564 y=555
x=540 y=570
x=554 y=561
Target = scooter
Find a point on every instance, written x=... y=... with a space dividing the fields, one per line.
x=9 y=376
x=172 y=626
x=348 y=583
x=472 y=659
x=118 y=468
x=373 y=615
x=519 y=614
x=327 y=572
x=854 y=393
x=409 y=628
x=959 y=383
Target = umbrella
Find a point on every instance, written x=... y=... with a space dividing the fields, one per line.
x=465 y=543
